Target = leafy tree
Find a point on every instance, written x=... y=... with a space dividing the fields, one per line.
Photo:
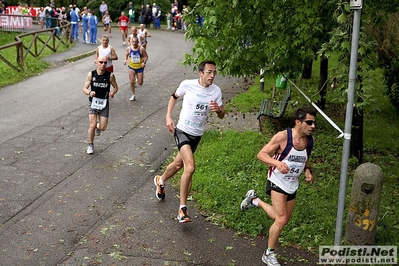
x=387 y=38
x=283 y=37
x=244 y=36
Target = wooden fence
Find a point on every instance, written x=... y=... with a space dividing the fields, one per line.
x=51 y=38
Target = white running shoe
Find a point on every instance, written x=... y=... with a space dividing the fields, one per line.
x=247 y=202
x=270 y=260
x=133 y=98
x=90 y=149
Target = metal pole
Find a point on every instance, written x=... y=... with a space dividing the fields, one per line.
x=262 y=79
x=348 y=125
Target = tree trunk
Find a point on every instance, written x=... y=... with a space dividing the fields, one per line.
x=307 y=70
x=357 y=131
x=321 y=103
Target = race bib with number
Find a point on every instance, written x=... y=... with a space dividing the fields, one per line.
x=135 y=58
x=98 y=103
x=200 y=109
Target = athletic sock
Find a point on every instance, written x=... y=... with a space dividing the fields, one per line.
x=255 y=201
x=182 y=206
x=269 y=251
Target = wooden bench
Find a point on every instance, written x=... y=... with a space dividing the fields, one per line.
x=273 y=108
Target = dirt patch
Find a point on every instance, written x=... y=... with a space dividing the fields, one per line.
x=234 y=120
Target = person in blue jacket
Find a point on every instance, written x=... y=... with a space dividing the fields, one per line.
x=93 y=21
x=85 y=25
x=75 y=23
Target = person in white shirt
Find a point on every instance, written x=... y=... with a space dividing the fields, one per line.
x=201 y=97
x=143 y=33
x=106 y=51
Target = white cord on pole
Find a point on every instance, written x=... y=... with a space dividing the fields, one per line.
x=345 y=135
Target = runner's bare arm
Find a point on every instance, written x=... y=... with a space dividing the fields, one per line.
x=114 y=85
x=114 y=56
x=86 y=87
x=169 y=121
x=126 y=55
x=276 y=144
x=96 y=56
x=143 y=51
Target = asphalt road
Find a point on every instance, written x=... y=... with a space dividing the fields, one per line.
x=60 y=206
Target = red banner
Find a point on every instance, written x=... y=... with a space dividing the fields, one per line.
x=13 y=10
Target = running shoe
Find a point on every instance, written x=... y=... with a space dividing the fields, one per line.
x=160 y=193
x=247 y=202
x=124 y=43
x=183 y=216
x=133 y=98
x=270 y=260
x=98 y=131
x=90 y=149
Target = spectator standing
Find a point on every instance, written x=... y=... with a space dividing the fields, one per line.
x=142 y=15
x=158 y=19
x=147 y=15
x=291 y=150
x=54 y=18
x=168 y=19
x=154 y=12
x=3 y=8
x=47 y=12
x=68 y=13
x=63 y=13
x=18 y=10
x=85 y=25
x=177 y=21
x=41 y=16
x=123 y=23
x=131 y=14
x=75 y=24
x=174 y=10
x=106 y=51
x=184 y=14
x=201 y=97
x=103 y=8
x=93 y=21
x=26 y=10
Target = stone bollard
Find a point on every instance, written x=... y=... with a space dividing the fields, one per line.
x=364 y=205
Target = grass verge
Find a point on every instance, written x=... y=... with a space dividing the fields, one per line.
x=226 y=167
x=34 y=65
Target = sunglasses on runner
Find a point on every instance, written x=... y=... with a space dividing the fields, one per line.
x=102 y=62
x=309 y=122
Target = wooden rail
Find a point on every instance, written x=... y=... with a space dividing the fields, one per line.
x=56 y=37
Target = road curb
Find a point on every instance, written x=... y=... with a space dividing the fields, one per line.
x=80 y=56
